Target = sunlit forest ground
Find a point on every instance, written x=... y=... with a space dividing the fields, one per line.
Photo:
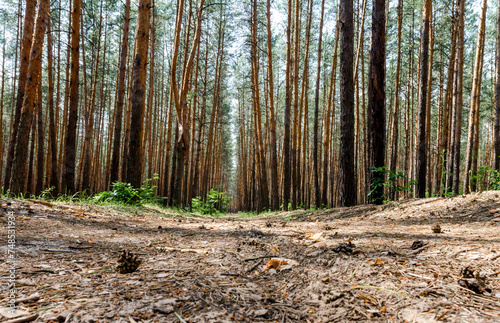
x=424 y=260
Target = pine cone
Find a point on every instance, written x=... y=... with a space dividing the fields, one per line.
x=436 y=228
x=128 y=263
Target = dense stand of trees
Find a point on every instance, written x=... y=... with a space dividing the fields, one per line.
x=282 y=104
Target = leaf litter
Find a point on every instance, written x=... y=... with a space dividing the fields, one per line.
x=344 y=264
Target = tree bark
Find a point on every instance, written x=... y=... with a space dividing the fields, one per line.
x=376 y=102
x=421 y=156
x=316 y=173
x=395 y=118
x=53 y=181
x=496 y=163
x=260 y=152
x=471 y=154
x=135 y=156
x=1 y=108
x=70 y=155
x=327 y=134
x=272 y=122
x=347 y=195
x=456 y=125
x=29 y=20
x=287 y=165
x=19 y=175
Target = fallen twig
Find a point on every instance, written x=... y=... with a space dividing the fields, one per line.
x=381 y=288
x=258 y=258
x=23 y=319
x=32 y=298
x=41 y=202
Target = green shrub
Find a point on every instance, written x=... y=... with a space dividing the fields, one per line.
x=216 y=202
x=125 y=193
x=393 y=181
x=494 y=179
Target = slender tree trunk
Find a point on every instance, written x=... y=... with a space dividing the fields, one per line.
x=53 y=181
x=287 y=165
x=327 y=133
x=428 y=151
x=456 y=128
x=496 y=162
x=70 y=155
x=180 y=99
x=148 y=140
x=64 y=121
x=1 y=109
x=316 y=173
x=260 y=153
x=272 y=122
x=471 y=154
x=421 y=157
x=18 y=182
x=29 y=20
x=295 y=106
x=446 y=145
x=347 y=195
x=395 y=119
x=89 y=113
x=376 y=101
x=135 y=156
x=115 y=159
x=437 y=171
x=304 y=110
x=40 y=140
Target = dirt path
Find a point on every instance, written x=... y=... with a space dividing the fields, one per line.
x=350 y=264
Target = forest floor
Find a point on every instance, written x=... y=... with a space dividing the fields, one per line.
x=337 y=265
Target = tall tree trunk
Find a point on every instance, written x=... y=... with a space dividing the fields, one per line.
x=89 y=113
x=29 y=20
x=53 y=181
x=287 y=165
x=135 y=156
x=304 y=110
x=358 y=142
x=180 y=99
x=272 y=122
x=215 y=108
x=18 y=182
x=1 y=109
x=62 y=147
x=471 y=154
x=261 y=156
x=496 y=163
x=445 y=142
x=327 y=117
x=295 y=105
x=428 y=148
x=70 y=155
x=347 y=195
x=117 y=137
x=316 y=173
x=395 y=118
x=421 y=157
x=456 y=126
x=40 y=140
x=376 y=102
x=148 y=140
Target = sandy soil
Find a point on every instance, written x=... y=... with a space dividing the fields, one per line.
x=363 y=263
